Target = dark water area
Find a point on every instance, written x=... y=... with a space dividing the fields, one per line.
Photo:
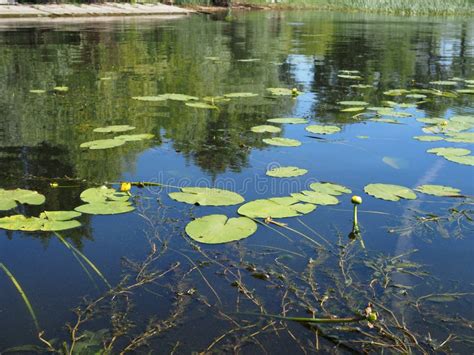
x=202 y=293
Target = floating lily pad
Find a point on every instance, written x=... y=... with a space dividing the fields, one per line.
x=103 y=144
x=460 y=137
x=105 y=208
x=282 y=142
x=103 y=194
x=204 y=196
x=37 y=91
x=280 y=91
x=431 y=120
x=180 y=97
x=353 y=109
x=352 y=103
x=428 y=138
x=135 y=137
x=56 y=226
x=150 y=98
x=329 y=188
x=319 y=129
x=464 y=119
x=449 y=151
x=277 y=207
x=389 y=192
x=214 y=99
x=416 y=96
x=392 y=113
x=288 y=120
x=438 y=190
x=10 y=198
x=240 y=94
x=265 y=128
x=350 y=77
x=61 y=88
x=114 y=129
x=59 y=215
x=202 y=105
x=361 y=86
x=248 y=60
x=465 y=159
x=21 y=223
x=444 y=83
x=317 y=198
x=286 y=171
x=396 y=92
x=385 y=120
x=48 y=221
x=217 y=229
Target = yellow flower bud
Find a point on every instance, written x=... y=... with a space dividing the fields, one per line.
x=53 y=185
x=125 y=186
x=294 y=91
x=356 y=200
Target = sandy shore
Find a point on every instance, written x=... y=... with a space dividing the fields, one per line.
x=87 y=10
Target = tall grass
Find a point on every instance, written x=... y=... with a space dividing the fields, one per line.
x=401 y=7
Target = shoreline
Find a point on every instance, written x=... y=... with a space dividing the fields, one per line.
x=89 y=10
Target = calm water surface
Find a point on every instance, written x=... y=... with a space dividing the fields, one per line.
x=106 y=63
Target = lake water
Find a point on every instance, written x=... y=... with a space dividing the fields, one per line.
x=191 y=296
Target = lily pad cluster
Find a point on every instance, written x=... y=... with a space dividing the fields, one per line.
x=104 y=201
x=322 y=193
x=48 y=221
x=117 y=141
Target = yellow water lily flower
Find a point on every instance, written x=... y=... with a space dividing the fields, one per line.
x=125 y=186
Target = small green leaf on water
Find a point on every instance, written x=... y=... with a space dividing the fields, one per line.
x=431 y=120
x=59 y=215
x=389 y=192
x=444 y=83
x=214 y=99
x=48 y=221
x=319 y=129
x=288 y=120
x=204 y=196
x=37 y=91
x=416 y=96
x=135 y=137
x=150 y=98
x=317 y=198
x=286 y=171
x=202 y=105
x=460 y=137
x=361 y=86
x=396 y=92
x=105 y=208
x=390 y=112
x=428 y=138
x=103 y=144
x=449 y=151
x=277 y=207
x=352 y=103
x=282 y=142
x=363 y=137
x=265 y=128
x=217 y=229
x=353 y=109
x=438 y=190
x=329 y=188
x=464 y=119
x=464 y=160
x=350 y=77
x=240 y=95
x=280 y=91
x=180 y=97
x=61 y=88
x=114 y=129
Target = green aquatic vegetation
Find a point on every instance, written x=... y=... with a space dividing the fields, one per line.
x=428 y=138
x=276 y=207
x=204 y=196
x=444 y=83
x=363 y=137
x=23 y=295
x=390 y=112
x=103 y=194
x=218 y=229
x=11 y=198
x=361 y=86
x=438 y=190
x=449 y=151
x=103 y=144
x=416 y=96
x=353 y=103
x=114 y=129
x=396 y=92
x=329 y=188
x=150 y=98
x=350 y=77
x=320 y=129
x=215 y=99
x=280 y=91
x=61 y=89
x=104 y=201
x=135 y=137
x=288 y=120
x=233 y=95
x=463 y=118
x=316 y=198
x=356 y=234
x=282 y=142
x=385 y=120
x=389 y=192
x=180 y=97
x=460 y=137
x=201 y=105
x=286 y=171
x=48 y=221
x=37 y=91
x=265 y=129
x=464 y=160
x=353 y=109
x=434 y=121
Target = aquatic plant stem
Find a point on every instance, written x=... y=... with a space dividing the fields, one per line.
x=310 y=320
x=22 y=294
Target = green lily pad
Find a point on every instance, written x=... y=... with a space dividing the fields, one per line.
x=150 y=98
x=460 y=137
x=280 y=91
x=277 y=207
x=317 y=198
x=21 y=223
x=350 y=77
x=61 y=88
x=217 y=229
x=48 y=221
x=240 y=95
x=204 y=196
x=135 y=137
x=180 y=97
x=55 y=226
x=59 y=215
x=37 y=91
x=361 y=86
x=353 y=103
x=464 y=119
x=10 y=198
x=389 y=192
x=396 y=92
x=114 y=129
x=416 y=96
x=105 y=208
x=329 y=188
x=449 y=151
x=265 y=128
x=444 y=83
x=288 y=120
x=438 y=190
x=282 y=142
x=385 y=120
x=286 y=171
x=103 y=144
x=214 y=99
x=202 y=105
x=428 y=138
x=353 y=109
x=319 y=129
x=465 y=159
x=103 y=194
x=431 y=120
x=392 y=113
